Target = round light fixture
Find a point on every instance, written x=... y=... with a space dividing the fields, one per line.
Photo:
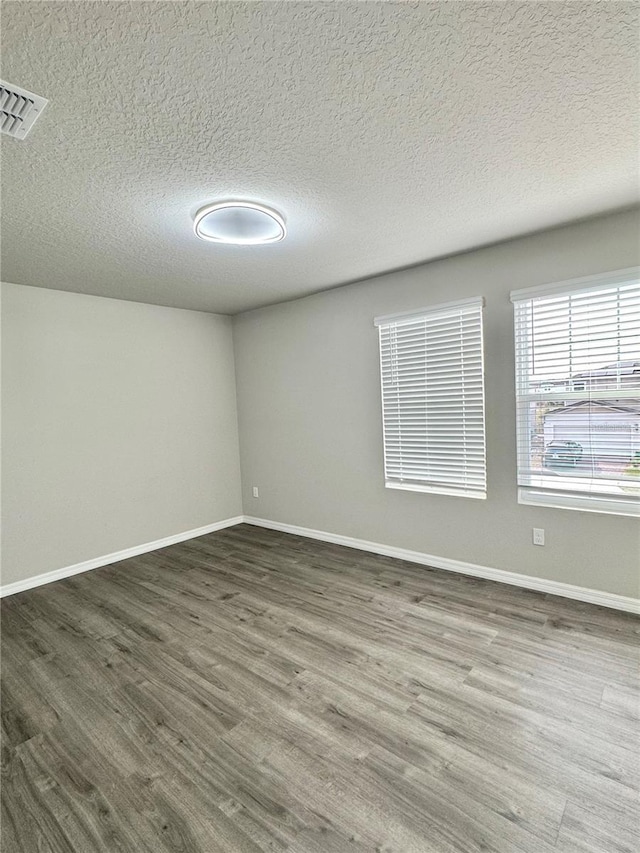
x=239 y=222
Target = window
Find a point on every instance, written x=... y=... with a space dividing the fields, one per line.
x=431 y=365
x=578 y=393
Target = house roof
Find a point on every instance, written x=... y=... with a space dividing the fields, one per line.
x=618 y=368
x=592 y=406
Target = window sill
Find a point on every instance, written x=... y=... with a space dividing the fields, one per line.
x=584 y=503
x=435 y=490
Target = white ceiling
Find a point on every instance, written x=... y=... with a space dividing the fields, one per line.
x=386 y=133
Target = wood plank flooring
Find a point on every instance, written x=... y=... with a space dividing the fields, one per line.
x=256 y=691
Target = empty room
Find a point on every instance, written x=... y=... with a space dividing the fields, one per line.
x=320 y=426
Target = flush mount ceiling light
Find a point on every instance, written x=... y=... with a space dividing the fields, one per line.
x=239 y=222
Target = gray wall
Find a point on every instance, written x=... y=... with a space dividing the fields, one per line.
x=310 y=422
x=119 y=420
x=119 y=426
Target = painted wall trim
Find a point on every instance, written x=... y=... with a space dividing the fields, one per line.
x=566 y=590
x=97 y=562
x=578 y=593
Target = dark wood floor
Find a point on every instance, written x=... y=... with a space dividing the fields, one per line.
x=254 y=691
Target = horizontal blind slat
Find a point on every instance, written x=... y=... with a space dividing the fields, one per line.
x=585 y=344
x=433 y=399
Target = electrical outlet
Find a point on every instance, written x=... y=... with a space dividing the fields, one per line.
x=538 y=536
x=256 y=494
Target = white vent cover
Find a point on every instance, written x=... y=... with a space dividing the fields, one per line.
x=18 y=109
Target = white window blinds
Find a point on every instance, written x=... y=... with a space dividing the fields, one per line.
x=578 y=393
x=432 y=374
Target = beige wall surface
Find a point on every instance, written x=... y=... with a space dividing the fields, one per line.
x=119 y=426
x=310 y=419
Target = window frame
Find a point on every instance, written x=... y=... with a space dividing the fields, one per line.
x=563 y=498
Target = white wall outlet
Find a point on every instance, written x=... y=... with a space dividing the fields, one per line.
x=538 y=536
x=256 y=494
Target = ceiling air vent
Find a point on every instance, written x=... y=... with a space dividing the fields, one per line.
x=18 y=109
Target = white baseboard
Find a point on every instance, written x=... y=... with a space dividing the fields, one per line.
x=566 y=590
x=97 y=562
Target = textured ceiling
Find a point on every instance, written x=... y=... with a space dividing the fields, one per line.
x=387 y=134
